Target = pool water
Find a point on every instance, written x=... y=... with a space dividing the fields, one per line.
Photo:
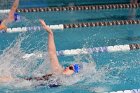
x=103 y=72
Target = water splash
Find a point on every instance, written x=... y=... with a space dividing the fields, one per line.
x=12 y=58
x=90 y=75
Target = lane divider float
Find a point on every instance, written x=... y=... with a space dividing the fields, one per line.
x=126 y=91
x=76 y=8
x=71 y=52
x=79 y=25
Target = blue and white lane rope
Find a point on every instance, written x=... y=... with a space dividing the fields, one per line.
x=126 y=91
x=33 y=28
x=79 y=25
x=5 y=11
x=88 y=50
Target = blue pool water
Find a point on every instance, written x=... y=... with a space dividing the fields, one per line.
x=113 y=71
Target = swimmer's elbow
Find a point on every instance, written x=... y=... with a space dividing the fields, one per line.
x=52 y=54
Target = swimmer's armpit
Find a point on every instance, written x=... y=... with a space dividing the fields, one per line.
x=12 y=11
x=5 y=79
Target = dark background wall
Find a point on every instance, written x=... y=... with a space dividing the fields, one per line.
x=45 y=3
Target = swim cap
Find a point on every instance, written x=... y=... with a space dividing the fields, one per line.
x=16 y=16
x=76 y=68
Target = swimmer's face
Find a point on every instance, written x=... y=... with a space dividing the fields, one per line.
x=3 y=27
x=69 y=70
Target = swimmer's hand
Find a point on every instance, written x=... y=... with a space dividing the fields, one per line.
x=47 y=28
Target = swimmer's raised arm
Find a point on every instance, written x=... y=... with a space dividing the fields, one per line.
x=12 y=12
x=56 y=67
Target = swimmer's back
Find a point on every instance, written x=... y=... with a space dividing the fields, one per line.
x=46 y=77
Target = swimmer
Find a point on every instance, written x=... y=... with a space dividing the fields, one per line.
x=56 y=67
x=12 y=16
